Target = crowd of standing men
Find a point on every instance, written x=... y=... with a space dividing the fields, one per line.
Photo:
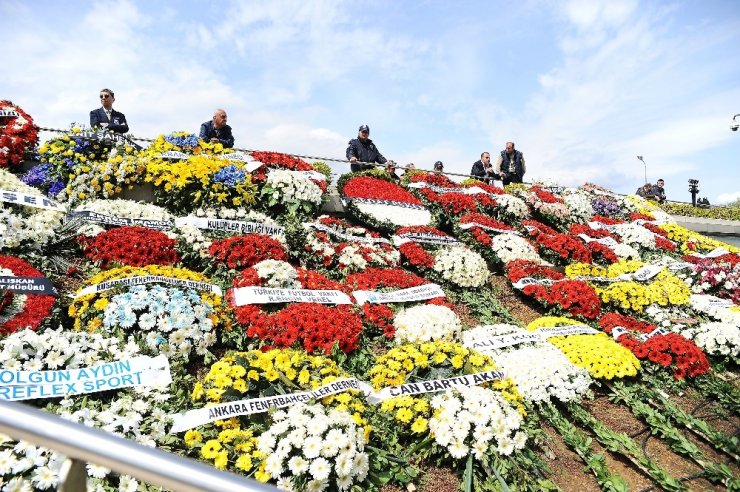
x=361 y=152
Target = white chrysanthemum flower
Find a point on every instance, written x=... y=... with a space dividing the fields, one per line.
x=461 y=266
x=397 y=215
x=426 y=323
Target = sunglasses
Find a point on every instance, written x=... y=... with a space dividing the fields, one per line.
x=104 y=96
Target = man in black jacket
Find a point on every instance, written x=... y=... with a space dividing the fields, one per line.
x=217 y=131
x=362 y=149
x=483 y=170
x=510 y=165
x=106 y=116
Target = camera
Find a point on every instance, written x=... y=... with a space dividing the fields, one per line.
x=734 y=126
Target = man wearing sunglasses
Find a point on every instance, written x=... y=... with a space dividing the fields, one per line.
x=106 y=116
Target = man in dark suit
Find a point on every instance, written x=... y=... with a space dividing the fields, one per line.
x=217 y=131
x=106 y=116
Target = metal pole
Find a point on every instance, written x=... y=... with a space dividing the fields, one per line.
x=644 y=164
x=91 y=445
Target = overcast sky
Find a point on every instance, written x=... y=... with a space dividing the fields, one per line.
x=582 y=87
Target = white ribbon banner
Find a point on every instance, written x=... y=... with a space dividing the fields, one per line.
x=419 y=293
x=435 y=385
x=149 y=279
x=618 y=331
x=470 y=225
x=36 y=201
x=268 y=295
x=9 y=113
x=564 y=331
x=419 y=237
x=174 y=155
x=523 y=282
x=712 y=254
x=606 y=241
x=223 y=411
x=647 y=336
x=239 y=226
x=138 y=371
x=501 y=341
x=349 y=237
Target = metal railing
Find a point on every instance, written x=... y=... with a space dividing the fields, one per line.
x=83 y=444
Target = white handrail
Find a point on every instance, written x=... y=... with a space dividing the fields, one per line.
x=86 y=444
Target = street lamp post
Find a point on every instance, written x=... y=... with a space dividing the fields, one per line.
x=643 y=162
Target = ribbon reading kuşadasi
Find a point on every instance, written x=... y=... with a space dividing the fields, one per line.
x=564 y=331
x=148 y=279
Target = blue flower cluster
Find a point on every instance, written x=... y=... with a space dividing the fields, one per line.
x=230 y=176
x=159 y=308
x=183 y=140
x=605 y=208
x=37 y=176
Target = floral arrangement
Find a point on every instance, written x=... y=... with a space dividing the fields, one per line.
x=435 y=253
x=23 y=226
x=497 y=242
x=168 y=318
x=474 y=420
x=604 y=206
x=598 y=353
x=539 y=370
x=716 y=308
x=545 y=206
x=511 y=208
x=579 y=205
x=717 y=276
x=432 y=360
x=195 y=238
x=555 y=292
x=244 y=251
x=426 y=323
x=665 y=349
x=200 y=181
x=716 y=338
x=276 y=160
x=290 y=191
x=316 y=327
x=181 y=141
x=130 y=246
x=18 y=134
x=103 y=177
x=21 y=310
x=233 y=443
x=337 y=246
x=308 y=447
x=118 y=208
x=663 y=289
x=381 y=203
x=690 y=241
x=555 y=247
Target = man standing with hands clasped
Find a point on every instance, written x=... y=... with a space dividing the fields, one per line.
x=510 y=165
x=217 y=131
x=363 y=149
x=106 y=116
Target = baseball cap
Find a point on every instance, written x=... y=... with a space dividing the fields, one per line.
x=364 y=128
x=438 y=165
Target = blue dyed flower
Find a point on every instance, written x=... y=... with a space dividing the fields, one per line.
x=37 y=175
x=56 y=187
x=605 y=208
x=230 y=176
x=190 y=140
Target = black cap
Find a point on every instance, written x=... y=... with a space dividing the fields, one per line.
x=364 y=128
x=438 y=165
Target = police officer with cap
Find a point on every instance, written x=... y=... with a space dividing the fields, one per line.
x=362 y=149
